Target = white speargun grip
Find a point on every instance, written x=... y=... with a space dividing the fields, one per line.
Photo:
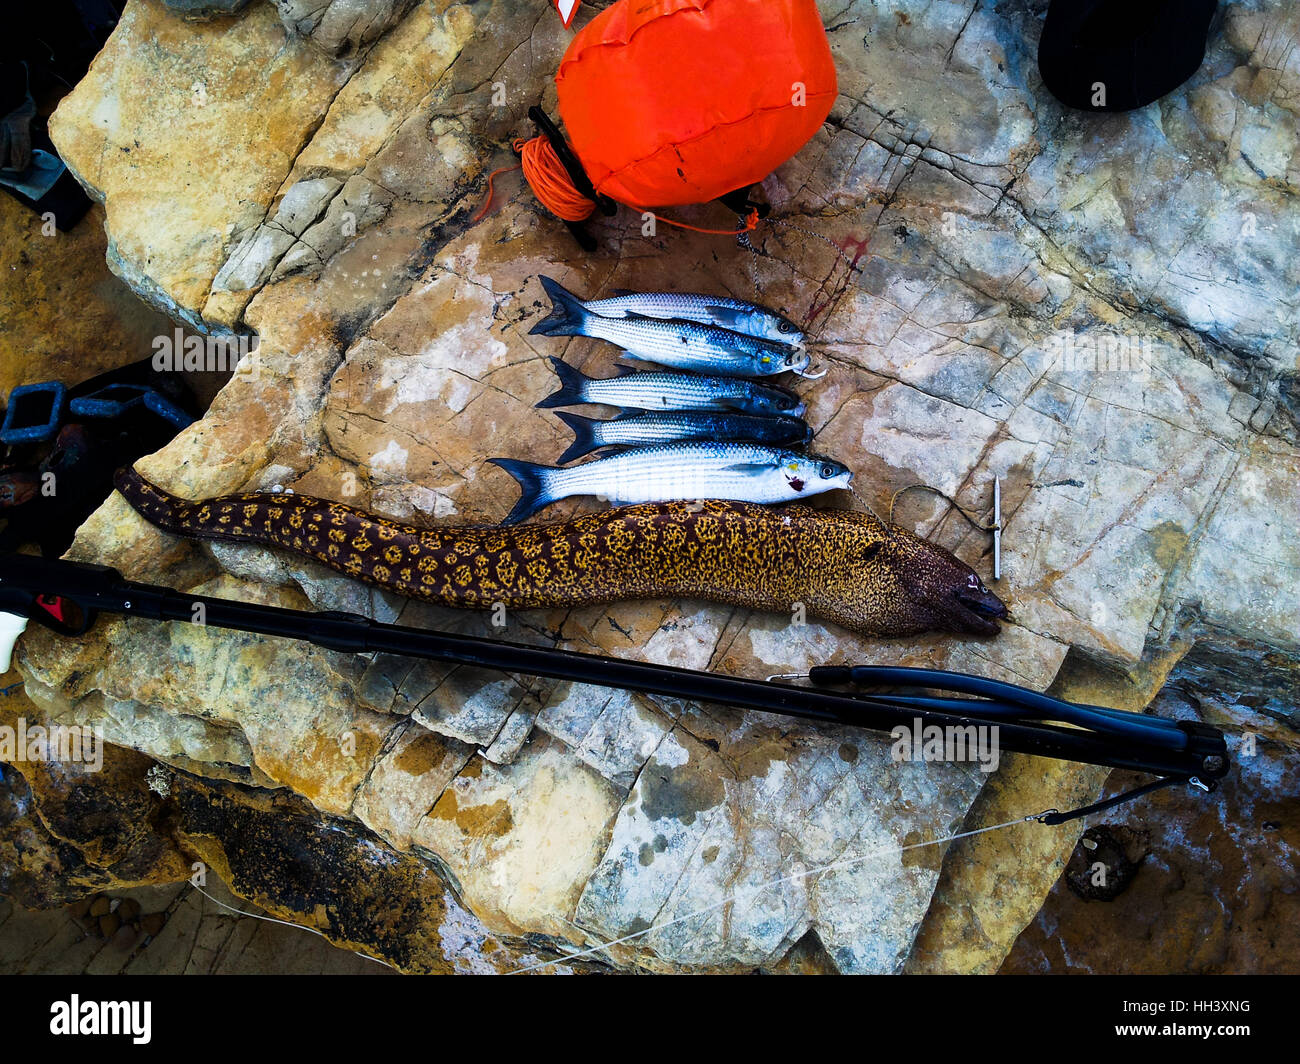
x=12 y=625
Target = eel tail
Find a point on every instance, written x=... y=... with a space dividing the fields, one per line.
x=156 y=506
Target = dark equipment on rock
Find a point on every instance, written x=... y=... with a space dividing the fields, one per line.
x=62 y=445
x=1118 y=55
x=66 y=596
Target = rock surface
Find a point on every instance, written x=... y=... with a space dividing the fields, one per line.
x=201 y=10
x=963 y=249
x=198 y=936
x=70 y=831
x=337 y=27
x=1213 y=878
x=63 y=316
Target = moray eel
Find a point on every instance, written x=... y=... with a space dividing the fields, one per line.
x=843 y=566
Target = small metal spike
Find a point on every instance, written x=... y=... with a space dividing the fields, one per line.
x=997 y=528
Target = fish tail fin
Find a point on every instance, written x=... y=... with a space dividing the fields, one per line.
x=584 y=436
x=534 y=487
x=570 y=391
x=567 y=314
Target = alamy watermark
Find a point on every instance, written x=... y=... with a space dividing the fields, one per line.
x=950 y=742
x=178 y=353
x=69 y=743
x=77 y=1017
x=1101 y=351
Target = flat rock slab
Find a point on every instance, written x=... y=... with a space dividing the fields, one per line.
x=1098 y=310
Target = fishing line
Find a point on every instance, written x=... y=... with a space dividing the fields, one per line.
x=491 y=191
x=885 y=526
x=744 y=241
x=792 y=878
x=550 y=181
x=825 y=239
x=287 y=923
x=553 y=185
x=943 y=495
x=749 y=222
x=852 y=263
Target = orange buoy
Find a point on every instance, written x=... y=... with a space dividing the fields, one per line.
x=669 y=102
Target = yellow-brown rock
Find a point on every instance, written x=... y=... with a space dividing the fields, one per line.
x=962 y=251
x=63 y=316
x=237 y=102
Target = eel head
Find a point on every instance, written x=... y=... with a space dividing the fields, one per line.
x=939 y=589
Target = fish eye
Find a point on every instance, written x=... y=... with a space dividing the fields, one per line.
x=785 y=403
x=785 y=326
x=829 y=471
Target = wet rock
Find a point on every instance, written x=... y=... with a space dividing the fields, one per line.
x=63 y=316
x=341 y=26
x=332 y=875
x=202 y=10
x=1216 y=891
x=74 y=829
x=1105 y=862
x=1095 y=309
x=124 y=938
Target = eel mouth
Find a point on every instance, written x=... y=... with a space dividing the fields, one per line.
x=980 y=610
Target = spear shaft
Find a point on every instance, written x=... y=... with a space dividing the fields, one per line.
x=66 y=596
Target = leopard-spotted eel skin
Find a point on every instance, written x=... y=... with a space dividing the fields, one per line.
x=844 y=567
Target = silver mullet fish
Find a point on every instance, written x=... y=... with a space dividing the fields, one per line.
x=669 y=391
x=737 y=315
x=744 y=472
x=635 y=430
x=679 y=344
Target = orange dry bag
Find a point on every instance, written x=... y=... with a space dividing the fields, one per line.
x=668 y=102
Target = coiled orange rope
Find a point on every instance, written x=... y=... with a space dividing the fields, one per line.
x=552 y=185
x=550 y=181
